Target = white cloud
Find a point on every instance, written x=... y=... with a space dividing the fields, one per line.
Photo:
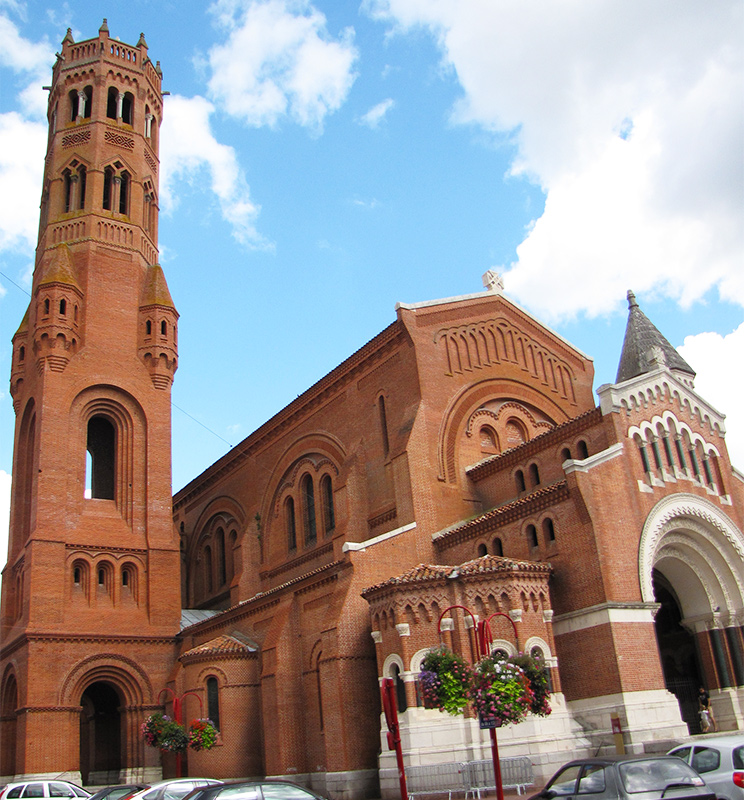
x=622 y=113
x=23 y=134
x=22 y=145
x=188 y=148
x=32 y=60
x=716 y=358
x=279 y=61
x=376 y=114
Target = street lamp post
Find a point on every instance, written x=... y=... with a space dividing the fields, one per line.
x=483 y=642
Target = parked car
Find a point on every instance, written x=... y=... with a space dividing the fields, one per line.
x=173 y=789
x=255 y=790
x=626 y=778
x=720 y=760
x=119 y=792
x=41 y=789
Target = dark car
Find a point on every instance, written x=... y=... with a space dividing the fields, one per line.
x=626 y=778
x=119 y=792
x=254 y=790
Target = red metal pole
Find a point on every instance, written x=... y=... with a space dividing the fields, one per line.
x=496 y=765
x=389 y=706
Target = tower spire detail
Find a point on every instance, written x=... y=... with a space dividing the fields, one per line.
x=646 y=349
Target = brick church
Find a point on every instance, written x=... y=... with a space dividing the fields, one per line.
x=458 y=458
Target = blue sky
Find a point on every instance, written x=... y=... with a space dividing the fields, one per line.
x=322 y=161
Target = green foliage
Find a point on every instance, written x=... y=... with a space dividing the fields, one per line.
x=536 y=672
x=445 y=681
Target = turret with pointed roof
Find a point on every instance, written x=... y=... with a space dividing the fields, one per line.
x=646 y=349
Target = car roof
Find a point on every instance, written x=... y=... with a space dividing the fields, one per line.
x=613 y=758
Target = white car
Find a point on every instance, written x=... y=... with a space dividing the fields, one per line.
x=173 y=789
x=720 y=761
x=41 y=789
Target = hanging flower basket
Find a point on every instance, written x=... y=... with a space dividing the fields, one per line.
x=500 y=693
x=174 y=738
x=445 y=681
x=160 y=731
x=202 y=734
x=536 y=672
x=152 y=728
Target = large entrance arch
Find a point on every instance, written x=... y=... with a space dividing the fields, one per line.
x=690 y=561
x=100 y=734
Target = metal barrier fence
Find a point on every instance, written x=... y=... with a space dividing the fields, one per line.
x=435 y=779
x=516 y=773
x=470 y=777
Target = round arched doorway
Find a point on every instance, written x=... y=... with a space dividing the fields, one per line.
x=690 y=560
x=100 y=734
x=680 y=659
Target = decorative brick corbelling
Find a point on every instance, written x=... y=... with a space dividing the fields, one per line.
x=304 y=558
x=545 y=497
x=263 y=599
x=516 y=455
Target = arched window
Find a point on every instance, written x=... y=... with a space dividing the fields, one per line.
x=488 y=442
x=534 y=475
x=515 y=433
x=129 y=581
x=68 y=190
x=289 y=521
x=46 y=305
x=62 y=307
x=82 y=180
x=400 y=688
x=213 y=701
x=549 y=530
x=127 y=108
x=148 y=328
x=383 y=424
x=108 y=186
x=329 y=515
x=222 y=558
x=532 y=536
x=308 y=509
x=105 y=578
x=22 y=353
x=519 y=478
x=88 y=111
x=80 y=577
x=482 y=550
x=163 y=328
x=124 y=187
x=208 y=583
x=73 y=95
x=565 y=455
x=498 y=547
x=112 y=101
x=319 y=689
x=583 y=449
x=101 y=446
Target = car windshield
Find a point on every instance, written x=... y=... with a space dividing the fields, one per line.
x=657 y=775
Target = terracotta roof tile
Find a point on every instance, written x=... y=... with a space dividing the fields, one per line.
x=221 y=646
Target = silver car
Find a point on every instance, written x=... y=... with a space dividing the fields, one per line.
x=720 y=760
x=173 y=789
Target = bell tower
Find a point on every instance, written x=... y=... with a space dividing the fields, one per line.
x=91 y=589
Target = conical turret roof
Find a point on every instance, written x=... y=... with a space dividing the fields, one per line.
x=60 y=268
x=156 y=289
x=645 y=348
